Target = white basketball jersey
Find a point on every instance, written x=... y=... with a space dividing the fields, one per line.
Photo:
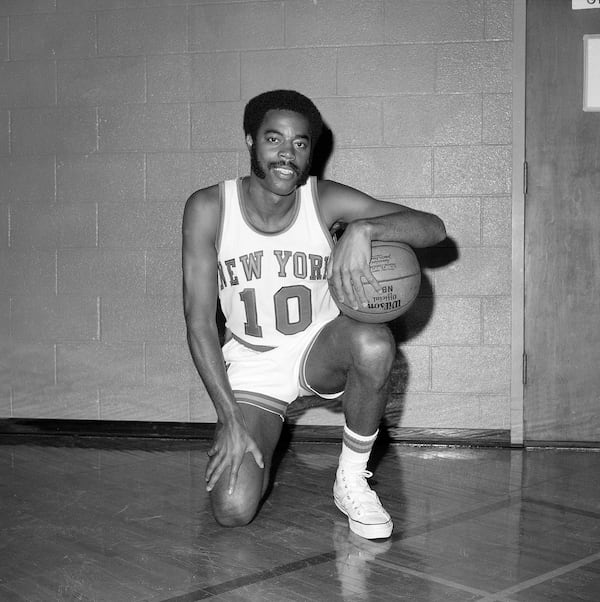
x=273 y=285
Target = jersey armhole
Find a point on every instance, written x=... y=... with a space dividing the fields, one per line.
x=219 y=234
x=317 y=206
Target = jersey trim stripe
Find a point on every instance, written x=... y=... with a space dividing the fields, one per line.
x=315 y=199
x=221 y=216
x=261 y=348
x=270 y=404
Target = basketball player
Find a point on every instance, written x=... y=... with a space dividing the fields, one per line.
x=261 y=245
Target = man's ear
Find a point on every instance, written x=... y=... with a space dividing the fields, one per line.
x=249 y=141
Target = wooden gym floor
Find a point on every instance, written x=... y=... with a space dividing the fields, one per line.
x=126 y=522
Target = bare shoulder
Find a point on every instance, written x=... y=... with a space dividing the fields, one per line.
x=205 y=199
x=202 y=212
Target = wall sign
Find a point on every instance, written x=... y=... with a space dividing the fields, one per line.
x=580 y=4
x=591 y=73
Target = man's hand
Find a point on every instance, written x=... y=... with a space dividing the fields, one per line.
x=230 y=445
x=348 y=269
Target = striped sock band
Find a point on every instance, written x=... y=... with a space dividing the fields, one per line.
x=356 y=448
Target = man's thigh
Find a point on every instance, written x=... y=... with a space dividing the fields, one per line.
x=327 y=362
x=265 y=428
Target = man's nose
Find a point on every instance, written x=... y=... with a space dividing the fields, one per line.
x=287 y=151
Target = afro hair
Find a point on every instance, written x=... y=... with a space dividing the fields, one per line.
x=285 y=100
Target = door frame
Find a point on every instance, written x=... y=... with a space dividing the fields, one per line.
x=518 y=358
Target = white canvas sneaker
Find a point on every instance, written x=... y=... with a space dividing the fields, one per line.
x=353 y=496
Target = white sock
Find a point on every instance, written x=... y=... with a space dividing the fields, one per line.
x=356 y=450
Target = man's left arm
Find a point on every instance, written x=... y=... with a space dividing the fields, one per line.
x=369 y=219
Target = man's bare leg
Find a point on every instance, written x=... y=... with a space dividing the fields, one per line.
x=357 y=358
x=240 y=507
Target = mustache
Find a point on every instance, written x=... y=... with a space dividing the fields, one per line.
x=288 y=164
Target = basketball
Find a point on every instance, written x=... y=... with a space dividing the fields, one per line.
x=396 y=268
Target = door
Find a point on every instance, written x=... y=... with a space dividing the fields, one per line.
x=562 y=230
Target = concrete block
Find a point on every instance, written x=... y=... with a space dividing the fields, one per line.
x=494 y=411
x=100 y=178
x=385 y=171
x=57 y=402
x=17 y=183
x=25 y=7
x=149 y=319
x=139 y=225
x=170 y=365
x=497 y=119
x=461 y=216
x=27 y=84
x=142 y=31
x=28 y=272
x=471 y=369
x=3 y=38
x=4 y=331
x=217 y=126
x=29 y=365
x=238 y=26
x=86 y=5
x=4 y=133
x=101 y=81
x=498 y=19
x=473 y=170
x=496 y=320
x=471 y=68
x=411 y=370
x=496 y=226
x=3 y=226
x=101 y=272
x=386 y=70
x=172 y=177
x=354 y=122
x=432 y=120
x=97 y=364
x=163 y=272
x=52 y=226
x=54 y=318
x=53 y=36
x=445 y=321
x=201 y=407
x=483 y=271
x=438 y=410
x=434 y=21
x=311 y=71
x=5 y=401
x=152 y=403
x=53 y=130
x=194 y=77
x=155 y=127
x=334 y=23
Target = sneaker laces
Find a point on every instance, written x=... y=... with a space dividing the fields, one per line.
x=358 y=490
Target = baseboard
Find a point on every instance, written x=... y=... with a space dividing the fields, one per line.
x=122 y=432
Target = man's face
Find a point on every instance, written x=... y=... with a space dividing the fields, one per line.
x=281 y=153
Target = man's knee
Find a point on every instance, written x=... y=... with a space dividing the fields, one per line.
x=373 y=349
x=233 y=510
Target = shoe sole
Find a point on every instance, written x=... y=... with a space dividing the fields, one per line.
x=377 y=531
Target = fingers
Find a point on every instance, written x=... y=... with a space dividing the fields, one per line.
x=258 y=457
x=220 y=460
x=349 y=287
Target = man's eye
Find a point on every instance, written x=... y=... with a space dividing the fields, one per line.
x=272 y=139
x=301 y=144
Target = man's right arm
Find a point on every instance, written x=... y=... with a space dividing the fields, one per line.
x=200 y=293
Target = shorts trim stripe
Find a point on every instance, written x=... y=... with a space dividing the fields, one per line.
x=270 y=404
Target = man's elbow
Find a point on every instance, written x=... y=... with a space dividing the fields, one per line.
x=438 y=231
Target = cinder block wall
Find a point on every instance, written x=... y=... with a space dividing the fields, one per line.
x=113 y=111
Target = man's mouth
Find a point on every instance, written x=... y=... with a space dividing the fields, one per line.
x=285 y=170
